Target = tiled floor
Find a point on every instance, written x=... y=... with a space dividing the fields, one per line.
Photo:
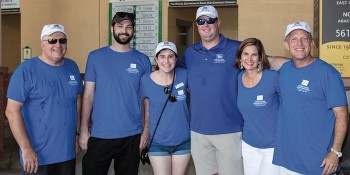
x=9 y=160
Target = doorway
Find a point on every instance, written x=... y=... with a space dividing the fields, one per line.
x=11 y=40
x=184 y=35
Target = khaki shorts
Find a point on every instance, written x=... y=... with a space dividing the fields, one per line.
x=220 y=153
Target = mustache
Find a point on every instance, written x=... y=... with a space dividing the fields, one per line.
x=123 y=34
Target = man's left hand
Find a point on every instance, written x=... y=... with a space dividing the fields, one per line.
x=330 y=164
x=144 y=139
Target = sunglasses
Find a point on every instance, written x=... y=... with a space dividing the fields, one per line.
x=126 y=14
x=54 y=41
x=167 y=90
x=208 y=20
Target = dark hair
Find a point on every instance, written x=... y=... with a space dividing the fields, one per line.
x=264 y=63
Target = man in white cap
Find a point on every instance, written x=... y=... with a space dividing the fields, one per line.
x=216 y=124
x=313 y=116
x=44 y=105
x=112 y=102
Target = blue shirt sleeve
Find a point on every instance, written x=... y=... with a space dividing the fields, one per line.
x=19 y=86
x=90 y=74
x=181 y=62
x=334 y=89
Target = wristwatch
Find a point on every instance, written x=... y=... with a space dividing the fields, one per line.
x=338 y=153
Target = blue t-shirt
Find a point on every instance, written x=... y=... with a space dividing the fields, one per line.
x=259 y=107
x=49 y=96
x=212 y=80
x=117 y=107
x=173 y=127
x=305 y=130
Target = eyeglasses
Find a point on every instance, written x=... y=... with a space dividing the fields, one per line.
x=54 y=41
x=124 y=14
x=208 y=20
x=167 y=90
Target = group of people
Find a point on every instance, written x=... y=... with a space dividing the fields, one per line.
x=242 y=116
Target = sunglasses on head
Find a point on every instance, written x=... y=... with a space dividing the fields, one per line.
x=124 y=14
x=208 y=20
x=54 y=40
x=167 y=90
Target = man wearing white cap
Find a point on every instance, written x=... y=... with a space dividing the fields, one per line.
x=44 y=106
x=112 y=102
x=216 y=124
x=313 y=116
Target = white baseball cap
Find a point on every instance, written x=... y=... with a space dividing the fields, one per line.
x=298 y=25
x=52 y=28
x=166 y=45
x=207 y=11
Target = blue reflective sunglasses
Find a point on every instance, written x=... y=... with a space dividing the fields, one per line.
x=208 y=20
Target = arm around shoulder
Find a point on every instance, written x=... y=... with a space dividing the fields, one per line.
x=276 y=62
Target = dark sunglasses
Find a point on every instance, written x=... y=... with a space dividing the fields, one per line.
x=124 y=14
x=167 y=90
x=54 y=41
x=208 y=20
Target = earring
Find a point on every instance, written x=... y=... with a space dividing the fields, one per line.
x=241 y=66
x=259 y=67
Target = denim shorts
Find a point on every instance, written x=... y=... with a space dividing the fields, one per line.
x=157 y=149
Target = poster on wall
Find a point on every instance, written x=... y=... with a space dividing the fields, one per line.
x=147 y=23
x=9 y=6
x=335 y=34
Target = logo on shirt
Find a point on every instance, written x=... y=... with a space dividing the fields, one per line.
x=303 y=86
x=132 y=69
x=180 y=93
x=72 y=81
x=219 y=58
x=179 y=85
x=259 y=101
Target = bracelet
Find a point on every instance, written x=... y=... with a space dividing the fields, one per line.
x=338 y=153
x=77 y=133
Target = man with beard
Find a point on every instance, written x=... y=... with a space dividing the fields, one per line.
x=111 y=99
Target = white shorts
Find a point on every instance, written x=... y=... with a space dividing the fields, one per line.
x=285 y=171
x=257 y=161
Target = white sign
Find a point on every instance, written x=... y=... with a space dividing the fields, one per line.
x=9 y=6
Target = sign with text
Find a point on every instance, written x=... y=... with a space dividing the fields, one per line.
x=173 y=3
x=9 y=6
x=335 y=34
x=147 y=24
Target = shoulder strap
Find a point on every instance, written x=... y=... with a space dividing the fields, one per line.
x=160 y=116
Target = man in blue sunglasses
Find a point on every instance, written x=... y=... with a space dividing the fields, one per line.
x=216 y=124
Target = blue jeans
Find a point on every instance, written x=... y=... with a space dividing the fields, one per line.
x=157 y=149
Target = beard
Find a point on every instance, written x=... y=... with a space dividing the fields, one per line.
x=120 y=40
